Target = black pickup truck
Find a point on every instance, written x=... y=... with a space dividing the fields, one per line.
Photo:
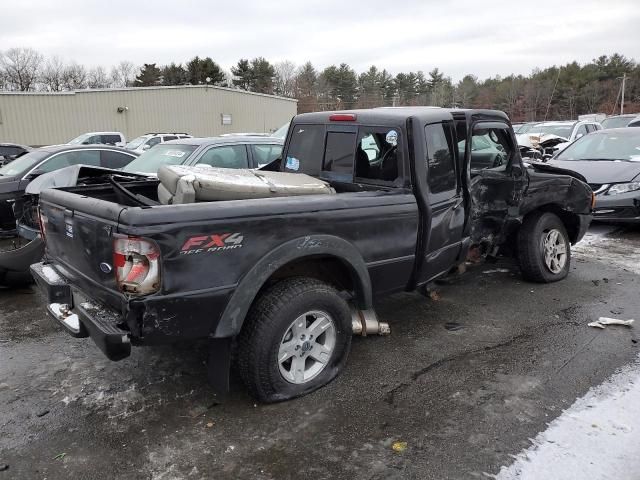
x=279 y=285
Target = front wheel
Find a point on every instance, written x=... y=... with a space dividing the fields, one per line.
x=544 y=248
x=296 y=339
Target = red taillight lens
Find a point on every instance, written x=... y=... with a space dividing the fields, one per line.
x=342 y=117
x=136 y=262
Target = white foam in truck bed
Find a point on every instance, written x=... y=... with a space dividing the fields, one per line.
x=182 y=184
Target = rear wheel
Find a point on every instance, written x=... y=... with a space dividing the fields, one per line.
x=296 y=339
x=544 y=248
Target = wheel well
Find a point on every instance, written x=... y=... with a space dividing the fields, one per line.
x=326 y=268
x=570 y=220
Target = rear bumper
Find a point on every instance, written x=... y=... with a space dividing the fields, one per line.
x=81 y=317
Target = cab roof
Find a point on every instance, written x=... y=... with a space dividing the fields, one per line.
x=396 y=114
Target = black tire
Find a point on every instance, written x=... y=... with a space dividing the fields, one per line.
x=267 y=322
x=531 y=252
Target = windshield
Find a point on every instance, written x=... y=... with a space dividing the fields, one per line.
x=559 y=130
x=136 y=142
x=610 y=146
x=526 y=128
x=616 y=122
x=22 y=164
x=80 y=139
x=282 y=131
x=160 y=155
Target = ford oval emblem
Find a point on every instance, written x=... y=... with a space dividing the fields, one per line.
x=105 y=267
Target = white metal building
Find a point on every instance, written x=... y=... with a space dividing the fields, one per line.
x=41 y=118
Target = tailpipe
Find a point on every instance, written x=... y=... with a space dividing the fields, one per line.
x=365 y=322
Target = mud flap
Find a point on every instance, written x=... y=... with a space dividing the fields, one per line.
x=219 y=364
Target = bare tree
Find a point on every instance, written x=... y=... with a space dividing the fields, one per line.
x=123 y=74
x=97 y=78
x=52 y=76
x=285 y=79
x=21 y=67
x=75 y=77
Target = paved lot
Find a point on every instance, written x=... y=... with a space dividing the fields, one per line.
x=465 y=381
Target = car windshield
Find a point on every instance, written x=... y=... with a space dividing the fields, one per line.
x=526 y=128
x=282 y=131
x=158 y=156
x=604 y=146
x=616 y=122
x=559 y=130
x=22 y=164
x=80 y=139
x=136 y=142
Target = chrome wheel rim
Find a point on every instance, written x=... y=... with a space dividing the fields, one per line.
x=554 y=248
x=306 y=347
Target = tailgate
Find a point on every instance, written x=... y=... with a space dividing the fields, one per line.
x=79 y=235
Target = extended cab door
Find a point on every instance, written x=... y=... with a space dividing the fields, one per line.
x=497 y=180
x=444 y=222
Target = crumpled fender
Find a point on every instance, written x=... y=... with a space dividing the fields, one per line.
x=310 y=246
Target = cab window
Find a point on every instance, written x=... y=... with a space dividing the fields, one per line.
x=377 y=154
x=441 y=173
x=306 y=149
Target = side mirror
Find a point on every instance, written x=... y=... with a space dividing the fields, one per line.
x=146 y=147
x=580 y=135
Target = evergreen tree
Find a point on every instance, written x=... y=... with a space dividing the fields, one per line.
x=149 y=76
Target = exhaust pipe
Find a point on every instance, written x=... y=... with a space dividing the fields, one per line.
x=365 y=322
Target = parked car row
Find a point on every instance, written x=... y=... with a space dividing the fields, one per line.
x=79 y=163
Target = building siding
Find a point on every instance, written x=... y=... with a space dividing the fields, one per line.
x=52 y=118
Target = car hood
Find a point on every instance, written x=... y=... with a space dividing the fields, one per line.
x=9 y=184
x=602 y=171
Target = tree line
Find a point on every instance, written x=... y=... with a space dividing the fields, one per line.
x=556 y=92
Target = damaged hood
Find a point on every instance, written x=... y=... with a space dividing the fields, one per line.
x=557 y=169
x=550 y=140
x=71 y=176
x=601 y=171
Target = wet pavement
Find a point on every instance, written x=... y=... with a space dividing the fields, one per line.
x=465 y=380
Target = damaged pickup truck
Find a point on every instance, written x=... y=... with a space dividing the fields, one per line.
x=279 y=267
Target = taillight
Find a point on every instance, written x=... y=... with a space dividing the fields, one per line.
x=42 y=220
x=136 y=262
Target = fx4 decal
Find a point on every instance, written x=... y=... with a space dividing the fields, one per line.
x=212 y=243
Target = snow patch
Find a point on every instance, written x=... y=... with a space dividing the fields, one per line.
x=596 y=438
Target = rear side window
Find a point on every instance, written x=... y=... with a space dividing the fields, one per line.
x=113 y=159
x=227 y=156
x=338 y=156
x=441 y=175
x=111 y=139
x=78 y=157
x=264 y=154
x=306 y=149
x=168 y=138
x=377 y=154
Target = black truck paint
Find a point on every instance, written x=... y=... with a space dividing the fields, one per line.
x=371 y=238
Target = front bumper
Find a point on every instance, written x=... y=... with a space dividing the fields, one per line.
x=81 y=317
x=623 y=208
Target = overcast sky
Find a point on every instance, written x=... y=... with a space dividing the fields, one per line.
x=457 y=36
